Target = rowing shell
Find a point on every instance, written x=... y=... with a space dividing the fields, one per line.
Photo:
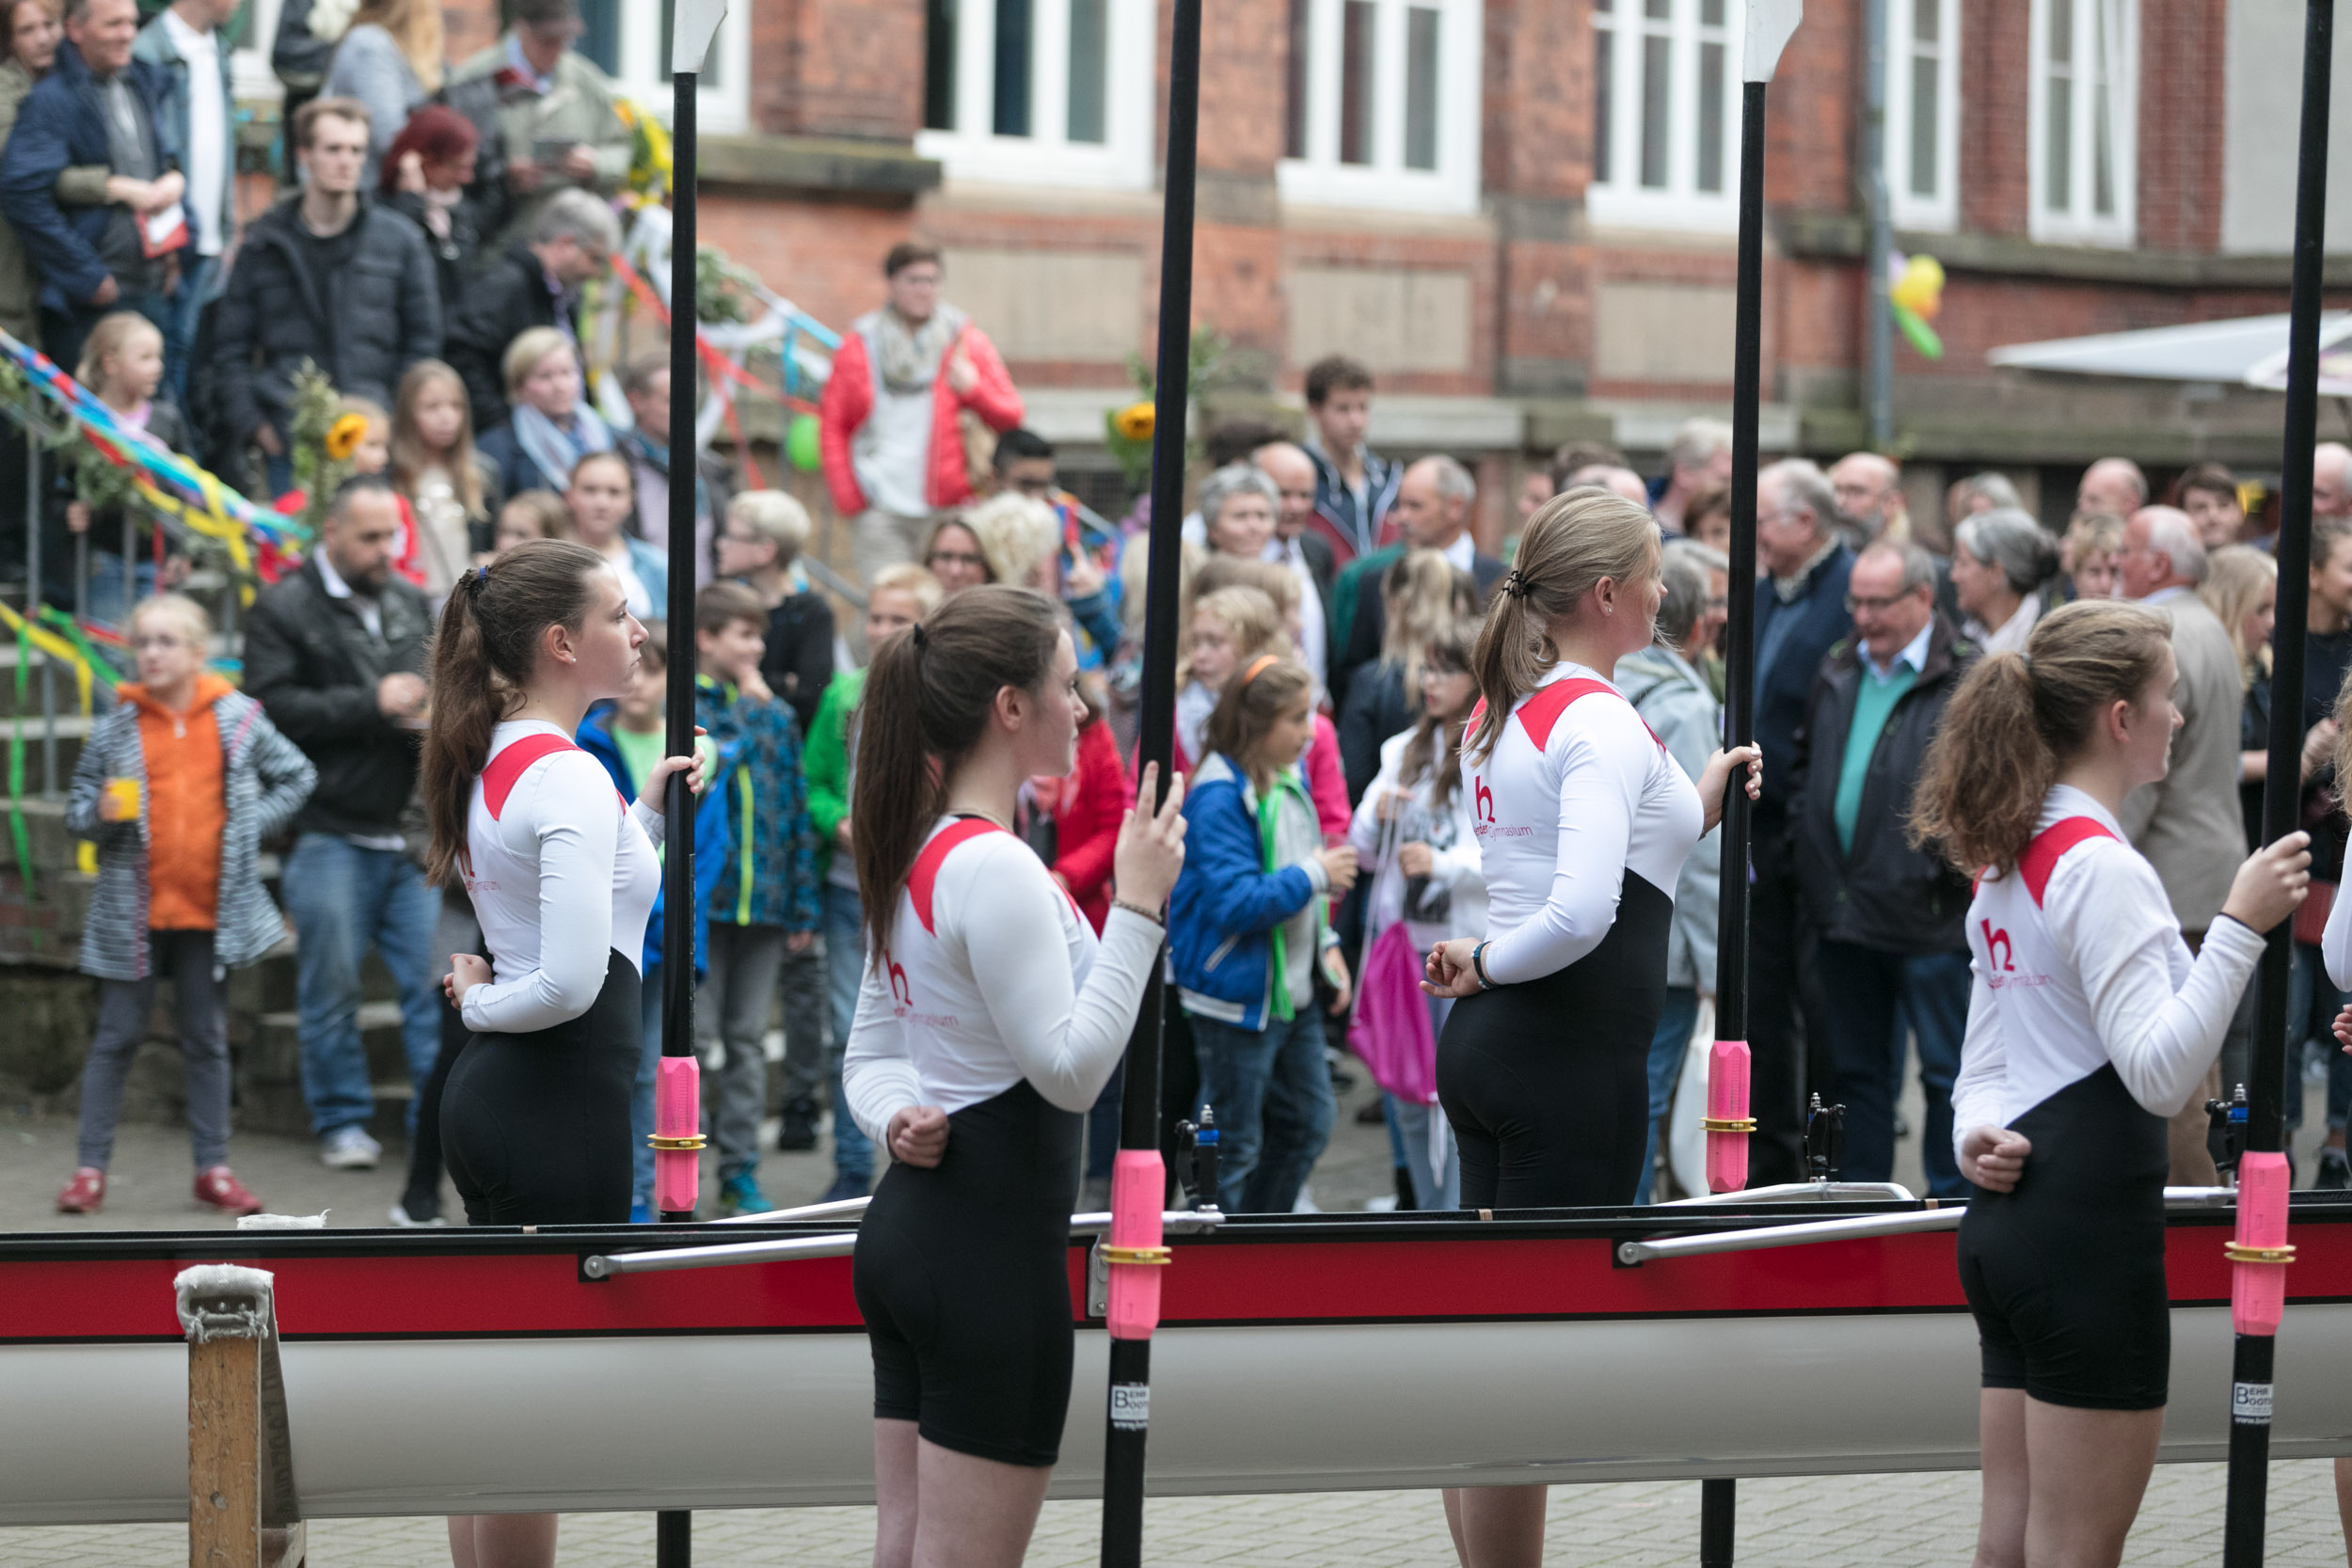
x=482 y=1370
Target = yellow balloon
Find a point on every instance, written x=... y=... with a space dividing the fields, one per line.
x=1921 y=288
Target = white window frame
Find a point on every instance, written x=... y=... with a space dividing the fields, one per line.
x=2079 y=224
x=250 y=76
x=1123 y=160
x=1623 y=201
x=723 y=108
x=1320 y=180
x=1939 y=211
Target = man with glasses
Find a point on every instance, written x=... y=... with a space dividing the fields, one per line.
x=535 y=283
x=1889 y=917
x=1799 y=615
x=327 y=276
x=548 y=118
x=890 y=423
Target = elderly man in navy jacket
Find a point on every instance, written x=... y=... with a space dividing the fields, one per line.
x=1800 y=614
x=98 y=106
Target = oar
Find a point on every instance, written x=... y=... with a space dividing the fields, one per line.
x=678 y=1089
x=1770 y=25
x=2259 y=1253
x=1139 y=1177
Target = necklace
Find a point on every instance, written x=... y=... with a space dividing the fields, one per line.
x=985 y=815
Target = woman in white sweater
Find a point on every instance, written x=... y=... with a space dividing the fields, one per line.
x=1414 y=835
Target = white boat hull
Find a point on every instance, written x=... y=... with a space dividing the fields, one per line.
x=98 y=1432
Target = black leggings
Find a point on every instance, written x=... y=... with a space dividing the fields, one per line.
x=963 y=1276
x=536 y=1126
x=2065 y=1273
x=1547 y=1083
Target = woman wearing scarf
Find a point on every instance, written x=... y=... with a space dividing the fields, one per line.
x=551 y=428
x=891 y=425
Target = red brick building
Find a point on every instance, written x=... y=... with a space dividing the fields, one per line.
x=1520 y=212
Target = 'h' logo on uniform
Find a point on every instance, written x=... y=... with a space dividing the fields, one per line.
x=1486 y=800
x=900 y=992
x=1997 y=953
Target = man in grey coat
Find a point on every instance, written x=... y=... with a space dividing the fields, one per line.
x=2187 y=822
x=1664 y=685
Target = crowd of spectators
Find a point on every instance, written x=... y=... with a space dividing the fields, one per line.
x=430 y=257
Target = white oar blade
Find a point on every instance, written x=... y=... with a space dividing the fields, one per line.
x=1771 y=25
x=696 y=23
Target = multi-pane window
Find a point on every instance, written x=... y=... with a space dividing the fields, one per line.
x=1382 y=103
x=632 y=43
x=1923 y=112
x=1039 y=91
x=1665 y=112
x=2084 y=117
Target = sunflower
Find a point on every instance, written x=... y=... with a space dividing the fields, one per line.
x=1134 y=421
x=345 y=435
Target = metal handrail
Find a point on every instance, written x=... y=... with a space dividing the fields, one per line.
x=1181 y=1222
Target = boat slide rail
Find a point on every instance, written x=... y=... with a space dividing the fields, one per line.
x=1857 y=1228
x=1769 y=1231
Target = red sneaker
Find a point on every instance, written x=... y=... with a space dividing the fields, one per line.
x=217 y=1188
x=85 y=1194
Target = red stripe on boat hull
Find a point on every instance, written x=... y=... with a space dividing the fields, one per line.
x=476 y=1294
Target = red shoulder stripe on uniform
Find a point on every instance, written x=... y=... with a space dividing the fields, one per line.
x=926 y=871
x=507 y=768
x=2041 y=857
x=1542 y=710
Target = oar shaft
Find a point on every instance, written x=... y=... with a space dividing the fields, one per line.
x=1138 y=1177
x=2258 y=1284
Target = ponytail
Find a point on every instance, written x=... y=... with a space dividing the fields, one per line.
x=2018 y=719
x=928 y=696
x=484 y=652
x=1574 y=540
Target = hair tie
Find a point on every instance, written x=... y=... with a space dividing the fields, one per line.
x=1258 y=667
x=1515 y=583
x=475 y=580
x=916 y=632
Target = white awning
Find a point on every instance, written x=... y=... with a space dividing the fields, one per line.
x=2250 y=351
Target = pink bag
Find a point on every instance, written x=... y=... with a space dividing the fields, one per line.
x=1390 y=1031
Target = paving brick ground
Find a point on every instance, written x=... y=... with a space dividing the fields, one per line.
x=1842 y=1522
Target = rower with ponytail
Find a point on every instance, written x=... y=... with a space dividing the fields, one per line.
x=535 y=1112
x=1583 y=821
x=2089 y=1023
x=989 y=1018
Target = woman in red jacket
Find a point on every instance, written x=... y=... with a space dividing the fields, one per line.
x=889 y=425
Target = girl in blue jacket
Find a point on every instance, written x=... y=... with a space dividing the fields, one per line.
x=1247 y=925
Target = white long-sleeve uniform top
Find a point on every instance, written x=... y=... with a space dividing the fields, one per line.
x=1576 y=794
x=561 y=871
x=2078 y=963
x=2335 y=943
x=990 y=975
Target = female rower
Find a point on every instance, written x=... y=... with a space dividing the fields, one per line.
x=989 y=1018
x=534 y=1117
x=1583 y=821
x=2089 y=1026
